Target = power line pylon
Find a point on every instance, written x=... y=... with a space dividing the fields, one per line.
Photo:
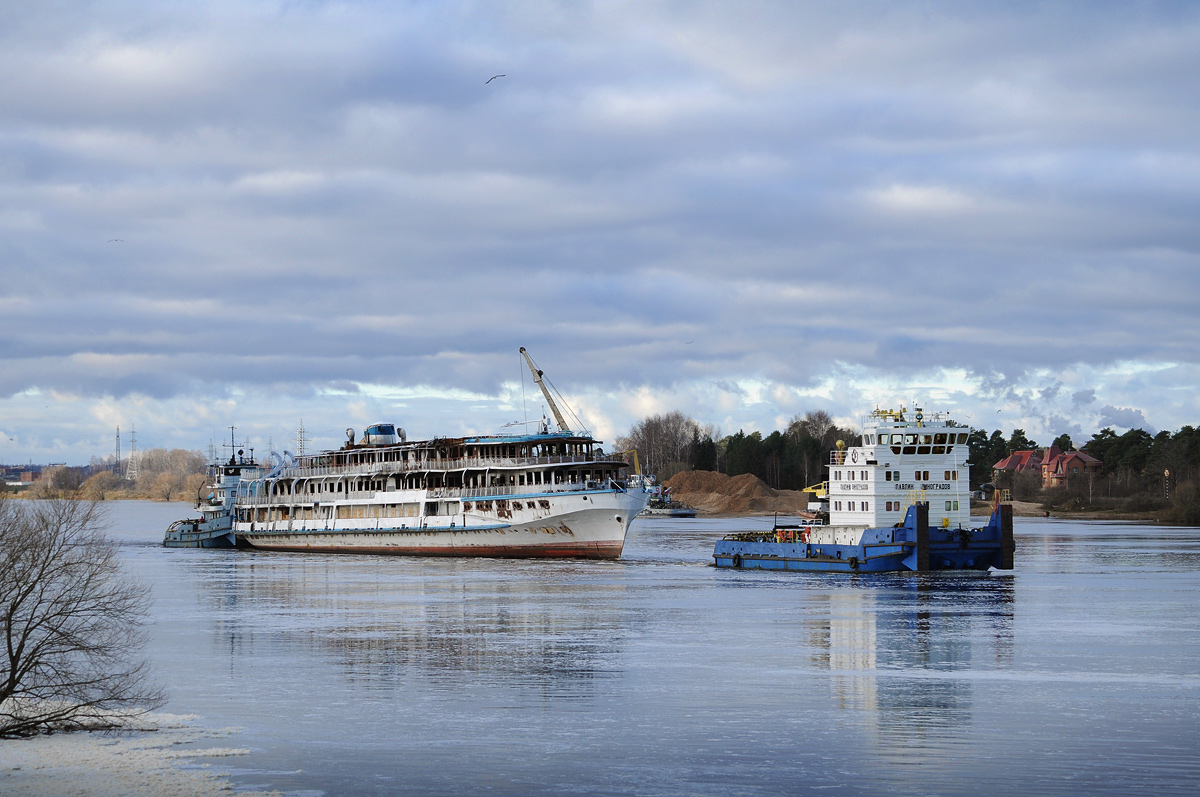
x=131 y=470
x=117 y=459
x=301 y=438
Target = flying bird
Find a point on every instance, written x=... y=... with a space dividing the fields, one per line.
x=116 y=241
x=493 y=77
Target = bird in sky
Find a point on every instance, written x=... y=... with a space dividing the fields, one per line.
x=493 y=77
x=116 y=241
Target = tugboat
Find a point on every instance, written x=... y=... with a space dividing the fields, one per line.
x=883 y=513
x=214 y=527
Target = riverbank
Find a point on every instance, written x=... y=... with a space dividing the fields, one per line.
x=156 y=756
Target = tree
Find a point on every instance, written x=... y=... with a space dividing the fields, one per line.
x=101 y=485
x=1063 y=441
x=72 y=623
x=1019 y=442
x=664 y=442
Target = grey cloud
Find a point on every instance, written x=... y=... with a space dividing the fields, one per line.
x=1125 y=418
x=314 y=196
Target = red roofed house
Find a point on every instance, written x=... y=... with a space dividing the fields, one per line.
x=1056 y=469
x=1022 y=461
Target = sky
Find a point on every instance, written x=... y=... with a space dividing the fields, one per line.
x=254 y=214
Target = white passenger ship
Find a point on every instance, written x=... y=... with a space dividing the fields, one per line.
x=548 y=494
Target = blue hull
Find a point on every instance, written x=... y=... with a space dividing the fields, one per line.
x=912 y=546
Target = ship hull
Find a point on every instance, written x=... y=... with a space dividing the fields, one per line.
x=912 y=546
x=198 y=534
x=594 y=533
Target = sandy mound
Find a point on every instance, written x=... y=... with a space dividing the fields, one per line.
x=712 y=493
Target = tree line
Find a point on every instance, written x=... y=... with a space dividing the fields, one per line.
x=1139 y=472
x=791 y=459
x=162 y=475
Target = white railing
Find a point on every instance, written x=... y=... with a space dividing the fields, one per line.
x=468 y=463
x=433 y=493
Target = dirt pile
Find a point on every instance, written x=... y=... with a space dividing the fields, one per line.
x=711 y=493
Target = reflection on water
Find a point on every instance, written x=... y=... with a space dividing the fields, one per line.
x=873 y=637
x=660 y=674
x=384 y=621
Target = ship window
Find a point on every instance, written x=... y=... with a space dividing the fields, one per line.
x=939 y=439
x=954 y=475
x=910 y=449
x=850 y=475
x=962 y=438
x=917 y=475
x=864 y=475
x=947 y=506
x=956 y=506
x=910 y=439
x=939 y=449
x=926 y=477
x=922 y=449
x=864 y=506
x=947 y=477
x=897 y=439
x=926 y=439
x=887 y=475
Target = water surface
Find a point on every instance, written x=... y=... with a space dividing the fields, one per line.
x=658 y=674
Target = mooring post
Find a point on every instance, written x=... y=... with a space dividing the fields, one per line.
x=922 y=510
x=1008 y=545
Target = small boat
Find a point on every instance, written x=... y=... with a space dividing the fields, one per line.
x=662 y=505
x=880 y=518
x=214 y=527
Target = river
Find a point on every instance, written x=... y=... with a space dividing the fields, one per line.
x=658 y=674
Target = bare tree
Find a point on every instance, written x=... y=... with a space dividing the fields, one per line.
x=72 y=623
x=663 y=442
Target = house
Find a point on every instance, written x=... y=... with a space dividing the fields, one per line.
x=1022 y=461
x=1054 y=466
x=1057 y=469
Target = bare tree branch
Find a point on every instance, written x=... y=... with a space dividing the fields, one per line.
x=72 y=622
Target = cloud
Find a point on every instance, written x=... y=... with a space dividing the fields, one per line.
x=742 y=213
x=1125 y=418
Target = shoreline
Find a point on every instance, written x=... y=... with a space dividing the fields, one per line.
x=146 y=758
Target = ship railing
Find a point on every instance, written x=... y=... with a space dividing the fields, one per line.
x=469 y=463
x=837 y=457
x=434 y=493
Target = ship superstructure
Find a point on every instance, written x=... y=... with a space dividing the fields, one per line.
x=900 y=462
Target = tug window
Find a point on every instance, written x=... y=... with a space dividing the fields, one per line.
x=947 y=506
x=887 y=476
x=926 y=478
x=939 y=439
x=947 y=477
x=962 y=438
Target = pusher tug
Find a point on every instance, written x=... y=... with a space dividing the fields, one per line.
x=898 y=501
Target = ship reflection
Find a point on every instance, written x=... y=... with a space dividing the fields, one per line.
x=896 y=649
x=388 y=624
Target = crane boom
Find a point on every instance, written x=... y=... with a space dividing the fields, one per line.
x=537 y=377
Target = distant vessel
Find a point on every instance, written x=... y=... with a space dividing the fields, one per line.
x=662 y=505
x=546 y=494
x=898 y=501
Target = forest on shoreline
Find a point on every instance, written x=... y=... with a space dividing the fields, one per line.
x=1142 y=475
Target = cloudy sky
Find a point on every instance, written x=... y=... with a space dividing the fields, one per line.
x=217 y=213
